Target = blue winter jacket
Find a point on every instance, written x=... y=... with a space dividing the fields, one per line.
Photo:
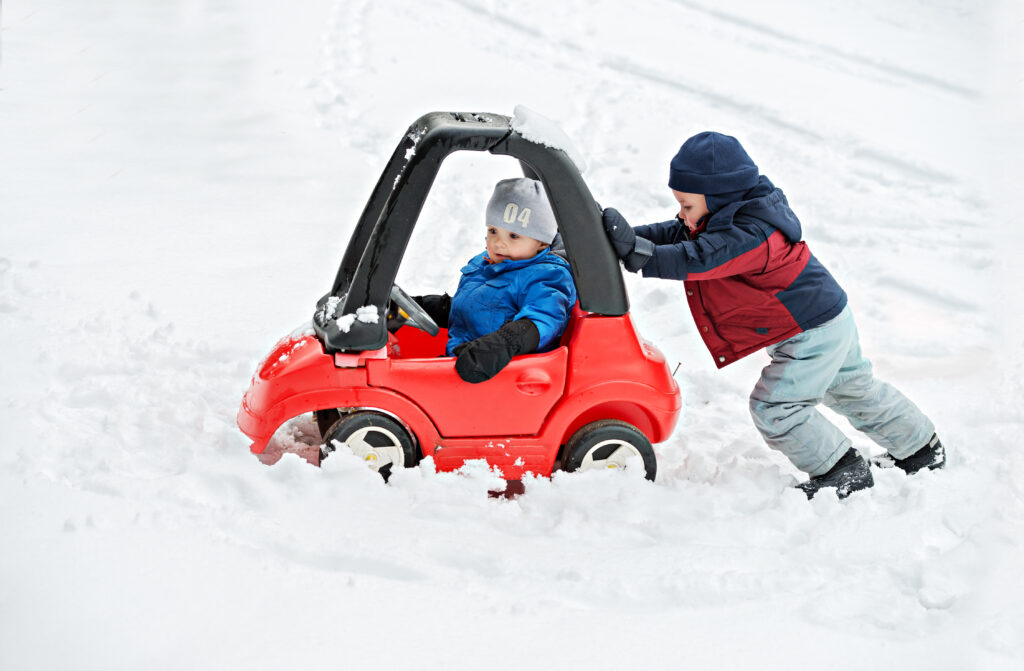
x=750 y=281
x=540 y=289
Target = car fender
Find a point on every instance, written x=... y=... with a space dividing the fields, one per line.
x=299 y=377
x=262 y=425
x=653 y=412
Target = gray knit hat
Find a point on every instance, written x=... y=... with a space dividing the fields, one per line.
x=521 y=206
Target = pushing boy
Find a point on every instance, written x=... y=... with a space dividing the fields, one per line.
x=752 y=283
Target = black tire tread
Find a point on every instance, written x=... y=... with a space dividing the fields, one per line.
x=349 y=423
x=605 y=429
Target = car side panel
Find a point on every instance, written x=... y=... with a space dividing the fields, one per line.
x=514 y=402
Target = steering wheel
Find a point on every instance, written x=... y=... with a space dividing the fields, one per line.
x=415 y=316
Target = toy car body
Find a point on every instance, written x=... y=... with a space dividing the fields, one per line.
x=602 y=396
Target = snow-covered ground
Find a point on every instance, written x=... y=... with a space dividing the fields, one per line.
x=177 y=183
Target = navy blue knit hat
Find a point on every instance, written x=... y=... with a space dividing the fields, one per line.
x=710 y=163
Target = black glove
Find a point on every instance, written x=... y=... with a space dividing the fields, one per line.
x=642 y=253
x=438 y=307
x=633 y=250
x=481 y=359
x=620 y=233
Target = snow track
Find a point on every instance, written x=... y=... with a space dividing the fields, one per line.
x=178 y=185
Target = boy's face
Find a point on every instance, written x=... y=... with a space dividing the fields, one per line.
x=692 y=206
x=505 y=245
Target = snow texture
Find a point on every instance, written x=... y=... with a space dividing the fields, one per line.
x=538 y=128
x=303 y=329
x=329 y=309
x=366 y=314
x=178 y=183
x=345 y=322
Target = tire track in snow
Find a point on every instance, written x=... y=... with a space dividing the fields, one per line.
x=820 y=50
x=344 y=57
x=633 y=70
x=906 y=167
x=624 y=66
x=926 y=294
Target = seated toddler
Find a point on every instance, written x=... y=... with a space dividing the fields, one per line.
x=513 y=298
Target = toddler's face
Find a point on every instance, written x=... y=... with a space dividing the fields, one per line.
x=692 y=206
x=505 y=245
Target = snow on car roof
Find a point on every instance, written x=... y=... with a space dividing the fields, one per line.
x=538 y=128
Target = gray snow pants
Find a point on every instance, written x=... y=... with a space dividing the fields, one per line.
x=825 y=365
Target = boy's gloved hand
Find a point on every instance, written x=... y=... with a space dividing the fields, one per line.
x=481 y=359
x=619 y=232
x=633 y=250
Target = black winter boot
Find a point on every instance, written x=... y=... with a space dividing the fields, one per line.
x=932 y=455
x=850 y=474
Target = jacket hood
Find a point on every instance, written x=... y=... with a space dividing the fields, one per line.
x=764 y=201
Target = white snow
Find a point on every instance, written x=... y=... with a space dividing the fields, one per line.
x=415 y=136
x=303 y=329
x=367 y=314
x=537 y=128
x=330 y=308
x=345 y=321
x=178 y=183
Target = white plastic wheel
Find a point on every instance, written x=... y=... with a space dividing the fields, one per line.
x=377 y=439
x=611 y=445
x=377 y=446
x=598 y=457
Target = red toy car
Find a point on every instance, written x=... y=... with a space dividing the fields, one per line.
x=597 y=401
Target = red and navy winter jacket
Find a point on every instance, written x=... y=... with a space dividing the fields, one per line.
x=749 y=280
